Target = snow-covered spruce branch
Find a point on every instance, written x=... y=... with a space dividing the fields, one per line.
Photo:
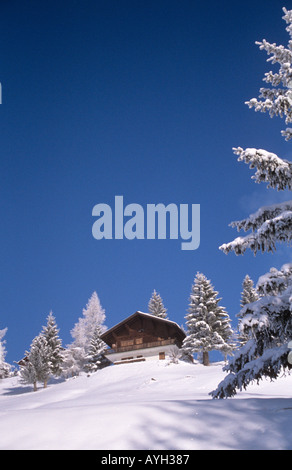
x=288 y=18
x=271 y=223
x=271 y=93
x=270 y=365
x=270 y=168
x=275 y=106
x=269 y=320
x=287 y=133
x=266 y=322
x=278 y=229
x=277 y=102
x=275 y=79
x=275 y=281
x=279 y=54
x=256 y=220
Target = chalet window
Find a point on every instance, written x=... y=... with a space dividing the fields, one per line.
x=139 y=340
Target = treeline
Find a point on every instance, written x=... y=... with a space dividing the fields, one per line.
x=208 y=328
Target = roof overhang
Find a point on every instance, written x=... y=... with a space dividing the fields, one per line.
x=107 y=335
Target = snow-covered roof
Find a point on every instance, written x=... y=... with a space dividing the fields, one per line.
x=159 y=318
x=146 y=315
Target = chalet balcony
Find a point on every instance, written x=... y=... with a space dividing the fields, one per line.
x=134 y=347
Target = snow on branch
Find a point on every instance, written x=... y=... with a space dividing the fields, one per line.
x=270 y=168
x=267 y=321
x=277 y=102
x=254 y=221
x=288 y=18
x=279 y=54
x=277 y=229
x=270 y=364
x=270 y=224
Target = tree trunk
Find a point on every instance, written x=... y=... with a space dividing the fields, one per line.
x=45 y=383
x=206 y=360
x=34 y=386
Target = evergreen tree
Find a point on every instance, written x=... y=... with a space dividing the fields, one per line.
x=82 y=333
x=277 y=100
x=156 y=307
x=93 y=316
x=73 y=361
x=270 y=224
x=249 y=295
x=208 y=324
x=95 y=359
x=266 y=353
x=5 y=368
x=78 y=334
x=51 y=334
x=37 y=367
x=269 y=317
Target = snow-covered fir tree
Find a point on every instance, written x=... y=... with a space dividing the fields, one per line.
x=275 y=282
x=270 y=224
x=208 y=324
x=95 y=359
x=74 y=361
x=266 y=353
x=5 y=368
x=277 y=99
x=92 y=320
x=51 y=334
x=93 y=316
x=156 y=307
x=249 y=294
x=269 y=317
x=37 y=367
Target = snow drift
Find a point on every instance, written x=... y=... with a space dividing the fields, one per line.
x=145 y=406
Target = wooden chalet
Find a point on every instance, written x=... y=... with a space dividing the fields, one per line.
x=141 y=337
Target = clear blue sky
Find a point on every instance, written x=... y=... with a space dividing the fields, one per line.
x=143 y=99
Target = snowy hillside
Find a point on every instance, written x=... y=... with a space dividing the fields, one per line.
x=150 y=406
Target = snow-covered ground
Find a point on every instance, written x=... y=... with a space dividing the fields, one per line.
x=149 y=406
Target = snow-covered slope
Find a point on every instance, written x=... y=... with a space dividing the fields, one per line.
x=149 y=405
